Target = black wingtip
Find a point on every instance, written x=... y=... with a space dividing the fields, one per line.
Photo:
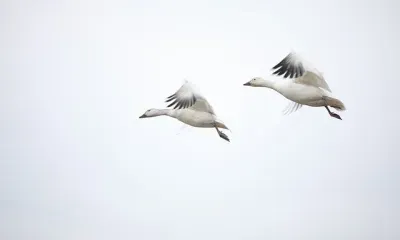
x=181 y=104
x=287 y=69
x=170 y=98
x=283 y=61
x=171 y=104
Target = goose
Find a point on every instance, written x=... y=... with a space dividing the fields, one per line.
x=191 y=108
x=302 y=84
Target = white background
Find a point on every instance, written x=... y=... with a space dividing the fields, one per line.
x=77 y=163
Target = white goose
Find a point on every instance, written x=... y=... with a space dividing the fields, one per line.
x=191 y=108
x=302 y=84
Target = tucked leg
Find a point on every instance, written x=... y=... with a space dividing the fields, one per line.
x=222 y=135
x=333 y=114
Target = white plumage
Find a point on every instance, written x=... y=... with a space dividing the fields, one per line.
x=191 y=108
x=302 y=84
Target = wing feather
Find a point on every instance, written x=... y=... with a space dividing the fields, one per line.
x=290 y=66
x=187 y=97
x=291 y=107
x=294 y=67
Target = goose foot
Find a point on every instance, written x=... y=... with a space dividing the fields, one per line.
x=222 y=135
x=335 y=115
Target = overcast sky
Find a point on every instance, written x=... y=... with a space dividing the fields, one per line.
x=77 y=163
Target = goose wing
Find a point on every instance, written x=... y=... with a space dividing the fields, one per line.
x=292 y=107
x=188 y=97
x=293 y=66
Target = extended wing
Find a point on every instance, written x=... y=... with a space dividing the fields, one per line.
x=293 y=66
x=188 y=97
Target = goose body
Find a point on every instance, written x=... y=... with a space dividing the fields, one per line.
x=191 y=108
x=301 y=84
x=190 y=117
x=301 y=94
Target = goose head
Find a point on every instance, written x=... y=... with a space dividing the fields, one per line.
x=255 y=82
x=259 y=82
x=151 y=113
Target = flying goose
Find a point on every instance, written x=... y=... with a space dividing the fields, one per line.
x=191 y=108
x=302 y=84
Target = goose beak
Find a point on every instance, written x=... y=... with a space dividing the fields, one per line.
x=247 y=84
x=143 y=116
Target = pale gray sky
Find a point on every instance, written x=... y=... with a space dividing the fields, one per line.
x=77 y=163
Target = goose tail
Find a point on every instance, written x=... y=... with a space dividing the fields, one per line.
x=335 y=103
x=220 y=124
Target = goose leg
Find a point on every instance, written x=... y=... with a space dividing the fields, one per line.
x=333 y=114
x=222 y=135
